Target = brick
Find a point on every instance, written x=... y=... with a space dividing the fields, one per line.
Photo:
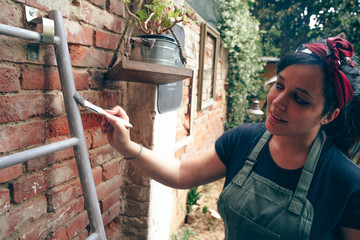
x=111 y=214
x=4 y=200
x=81 y=80
x=106 y=40
x=137 y=192
x=43 y=228
x=136 y=209
x=102 y=155
x=10 y=173
x=134 y=176
x=60 y=234
x=96 y=79
x=58 y=127
x=89 y=57
x=99 y=18
x=88 y=138
x=49 y=79
x=97 y=138
x=113 y=230
x=21 y=107
x=62 y=172
x=110 y=200
x=54 y=104
x=61 y=195
x=18 y=216
x=47 y=5
x=111 y=169
x=13 y=50
x=64 y=214
x=77 y=224
x=9 y=80
x=29 y=186
x=97 y=175
x=181 y=133
x=117 y=7
x=38 y=229
x=79 y=34
x=20 y=136
x=180 y=152
x=99 y=3
x=104 y=99
x=106 y=188
x=83 y=235
x=91 y=120
x=35 y=78
x=11 y=14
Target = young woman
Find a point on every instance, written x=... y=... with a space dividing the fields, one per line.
x=291 y=177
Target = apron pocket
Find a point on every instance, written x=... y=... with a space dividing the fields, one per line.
x=244 y=228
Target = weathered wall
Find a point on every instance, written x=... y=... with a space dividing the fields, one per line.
x=42 y=198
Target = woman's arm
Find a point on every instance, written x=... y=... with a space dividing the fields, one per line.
x=351 y=234
x=205 y=168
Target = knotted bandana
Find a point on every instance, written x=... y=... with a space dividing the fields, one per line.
x=337 y=49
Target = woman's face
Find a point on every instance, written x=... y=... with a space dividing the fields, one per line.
x=296 y=101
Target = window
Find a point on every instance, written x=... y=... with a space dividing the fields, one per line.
x=209 y=55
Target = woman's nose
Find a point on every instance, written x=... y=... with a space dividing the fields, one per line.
x=281 y=101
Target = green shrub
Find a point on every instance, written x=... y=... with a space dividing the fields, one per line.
x=240 y=36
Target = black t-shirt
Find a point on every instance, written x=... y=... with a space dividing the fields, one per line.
x=334 y=191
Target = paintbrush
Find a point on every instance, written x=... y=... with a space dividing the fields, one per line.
x=96 y=109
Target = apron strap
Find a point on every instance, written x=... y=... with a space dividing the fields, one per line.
x=250 y=161
x=298 y=199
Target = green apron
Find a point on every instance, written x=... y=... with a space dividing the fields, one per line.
x=255 y=208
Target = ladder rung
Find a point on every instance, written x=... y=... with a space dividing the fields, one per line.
x=23 y=33
x=27 y=155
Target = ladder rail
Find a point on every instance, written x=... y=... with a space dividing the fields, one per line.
x=77 y=141
x=33 y=153
x=76 y=128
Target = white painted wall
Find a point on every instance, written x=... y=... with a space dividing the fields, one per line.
x=161 y=197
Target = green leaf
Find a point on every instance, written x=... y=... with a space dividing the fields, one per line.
x=142 y=14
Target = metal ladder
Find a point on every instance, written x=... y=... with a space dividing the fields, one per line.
x=54 y=33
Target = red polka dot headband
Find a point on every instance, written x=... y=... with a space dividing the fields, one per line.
x=337 y=49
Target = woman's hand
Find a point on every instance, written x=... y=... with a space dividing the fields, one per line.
x=117 y=134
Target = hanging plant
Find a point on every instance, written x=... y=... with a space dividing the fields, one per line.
x=158 y=17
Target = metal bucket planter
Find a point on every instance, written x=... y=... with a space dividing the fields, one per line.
x=155 y=49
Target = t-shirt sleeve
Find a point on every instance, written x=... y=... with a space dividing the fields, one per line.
x=224 y=146
x=238 y=141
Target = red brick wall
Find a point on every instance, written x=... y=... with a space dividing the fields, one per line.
x=42 y=198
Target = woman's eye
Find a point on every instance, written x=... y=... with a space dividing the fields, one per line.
x=300 y=101
x=278 y=85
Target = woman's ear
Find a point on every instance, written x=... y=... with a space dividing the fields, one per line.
x=329 y=117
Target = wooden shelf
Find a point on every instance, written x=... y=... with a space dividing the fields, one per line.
x=135 y=71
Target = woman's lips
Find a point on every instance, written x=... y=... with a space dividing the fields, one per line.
x=275 y=118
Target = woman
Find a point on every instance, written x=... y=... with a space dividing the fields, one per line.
x=285 y=179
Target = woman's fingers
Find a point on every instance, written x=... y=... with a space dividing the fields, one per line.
x=119 y=112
